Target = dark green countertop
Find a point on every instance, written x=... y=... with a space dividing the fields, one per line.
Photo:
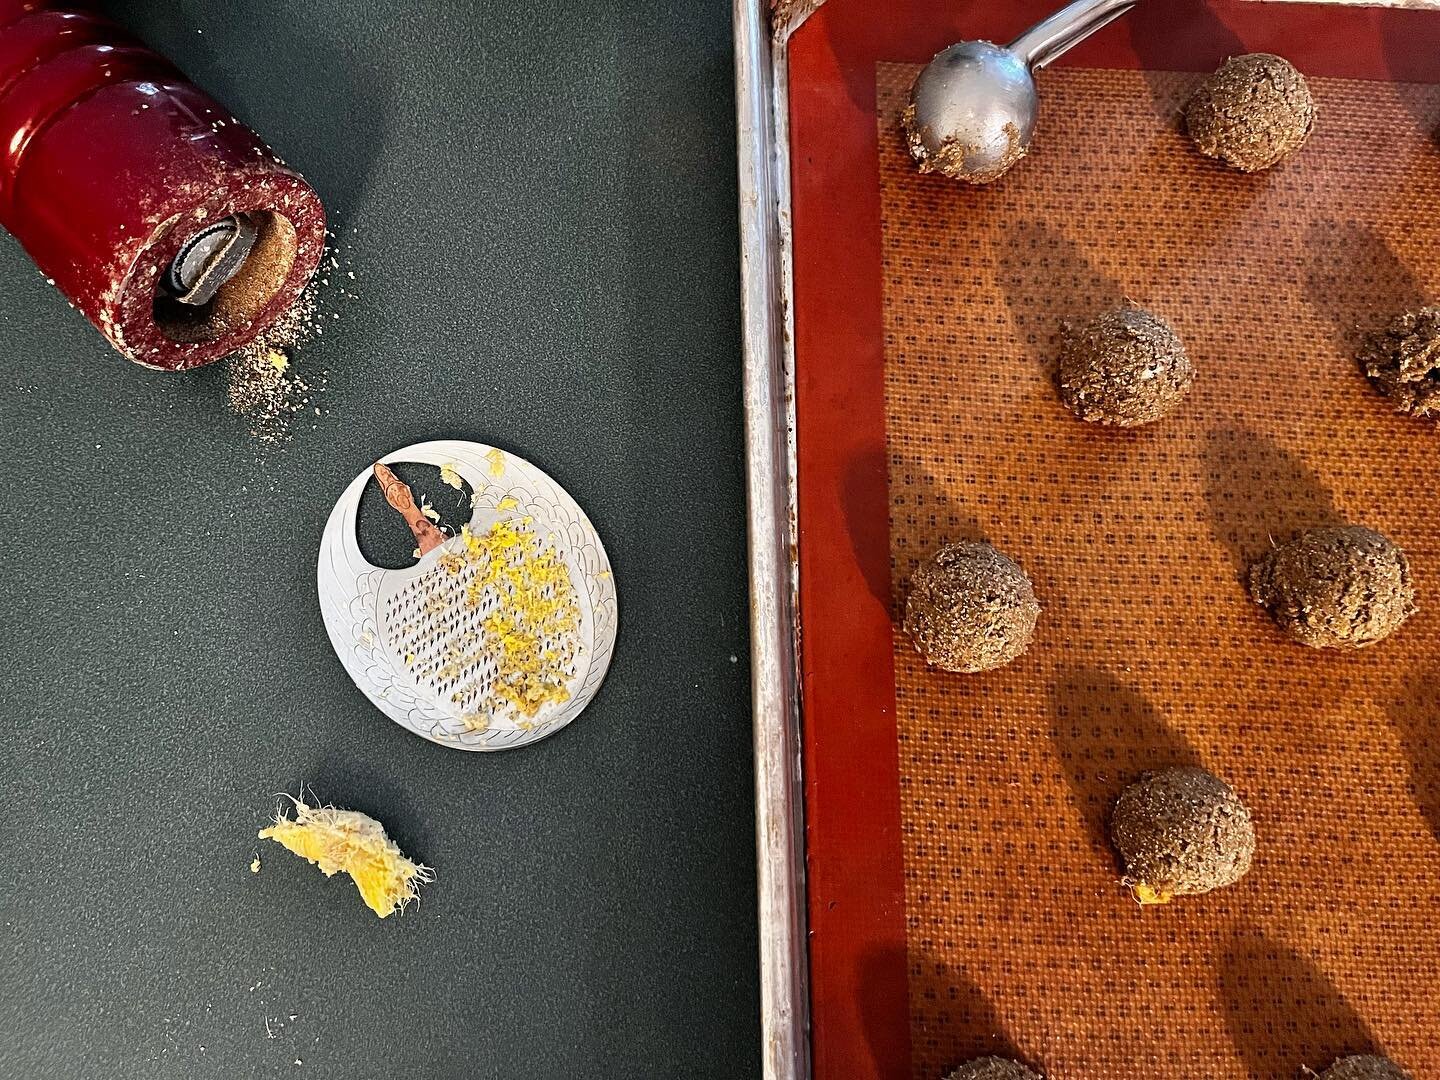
x=538 y=204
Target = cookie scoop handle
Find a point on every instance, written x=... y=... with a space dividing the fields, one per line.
x=1049 y=38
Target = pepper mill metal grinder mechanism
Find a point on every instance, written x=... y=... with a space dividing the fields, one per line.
x=168 y=223
x=972 y=110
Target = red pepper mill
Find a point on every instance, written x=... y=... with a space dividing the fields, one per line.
x=159 y=215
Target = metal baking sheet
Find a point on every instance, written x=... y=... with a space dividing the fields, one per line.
x=850 y=315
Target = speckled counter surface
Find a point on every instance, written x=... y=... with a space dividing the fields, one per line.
x=538 y=206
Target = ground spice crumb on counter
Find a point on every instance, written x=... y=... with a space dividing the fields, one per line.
x=262 y=385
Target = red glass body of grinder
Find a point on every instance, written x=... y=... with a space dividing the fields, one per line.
x=162 y=218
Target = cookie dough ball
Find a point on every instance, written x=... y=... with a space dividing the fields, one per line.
x=1125 y=367
x=1364 y=1067
x=1252 y=113
x=1181 y=832
x=993 y=1068
x=1403 y=362
x=950 y=157
x=1342 y=587
x=970 y=608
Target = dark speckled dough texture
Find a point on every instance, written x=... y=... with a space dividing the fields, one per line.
x=538 y=206
x=1364 y=1067
x=992 y=1068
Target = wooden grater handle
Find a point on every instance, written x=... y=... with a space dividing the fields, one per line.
x=399 y=495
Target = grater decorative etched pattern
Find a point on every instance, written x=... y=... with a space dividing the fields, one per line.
x=417 y=645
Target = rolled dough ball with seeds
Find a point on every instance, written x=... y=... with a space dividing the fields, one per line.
x=970 y=608
x=1252 y=113
x=1181 y=832
x=1339 y=587
x=1403 y=362
x=993 y=1068
x=1126 y=367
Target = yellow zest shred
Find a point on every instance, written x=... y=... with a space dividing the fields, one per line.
x=278 y=360
x=336 y=840
x=507 y=503
x=449 y=475
x=496 y=458
x=1146 y=895
x=531 y=632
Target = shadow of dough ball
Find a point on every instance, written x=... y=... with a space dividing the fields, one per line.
x=970 y=608
x=993 y=1068
x=1403 y=362
x=1125 y=367
x=1364 y=1067
x=1252 y=113
x=1340 y=587
x=1181 y=832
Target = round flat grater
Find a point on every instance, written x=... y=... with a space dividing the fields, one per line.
x=425 y=643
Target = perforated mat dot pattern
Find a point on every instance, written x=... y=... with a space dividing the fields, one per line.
x=1148 y=651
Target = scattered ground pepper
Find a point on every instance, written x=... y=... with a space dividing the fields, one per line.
x=261 y=385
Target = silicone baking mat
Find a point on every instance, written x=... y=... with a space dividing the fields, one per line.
x=963 y=897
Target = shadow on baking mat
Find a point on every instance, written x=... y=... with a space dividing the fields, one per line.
x=1416 y=716
x=1259 y=494
x=1166 y=47
x=1282 y=1011
x=1397 y=36
x=1049 y=279
x=1355 y=282
x=924 y=517
x=1106 y=735
x=951 y=1019
x=862 y=501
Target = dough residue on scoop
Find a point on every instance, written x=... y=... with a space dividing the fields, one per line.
x=1255 y=111
x=1403 y=362
x=1338 y=587
x=951 y=156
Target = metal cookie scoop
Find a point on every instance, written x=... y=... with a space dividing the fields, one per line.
x=972 y=110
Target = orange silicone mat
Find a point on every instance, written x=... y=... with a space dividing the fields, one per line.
x=1148 y=650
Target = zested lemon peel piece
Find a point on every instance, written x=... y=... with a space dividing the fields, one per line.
x=347 y=840
x=1146 y=895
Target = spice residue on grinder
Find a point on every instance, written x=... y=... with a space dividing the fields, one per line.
x=166 y=221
